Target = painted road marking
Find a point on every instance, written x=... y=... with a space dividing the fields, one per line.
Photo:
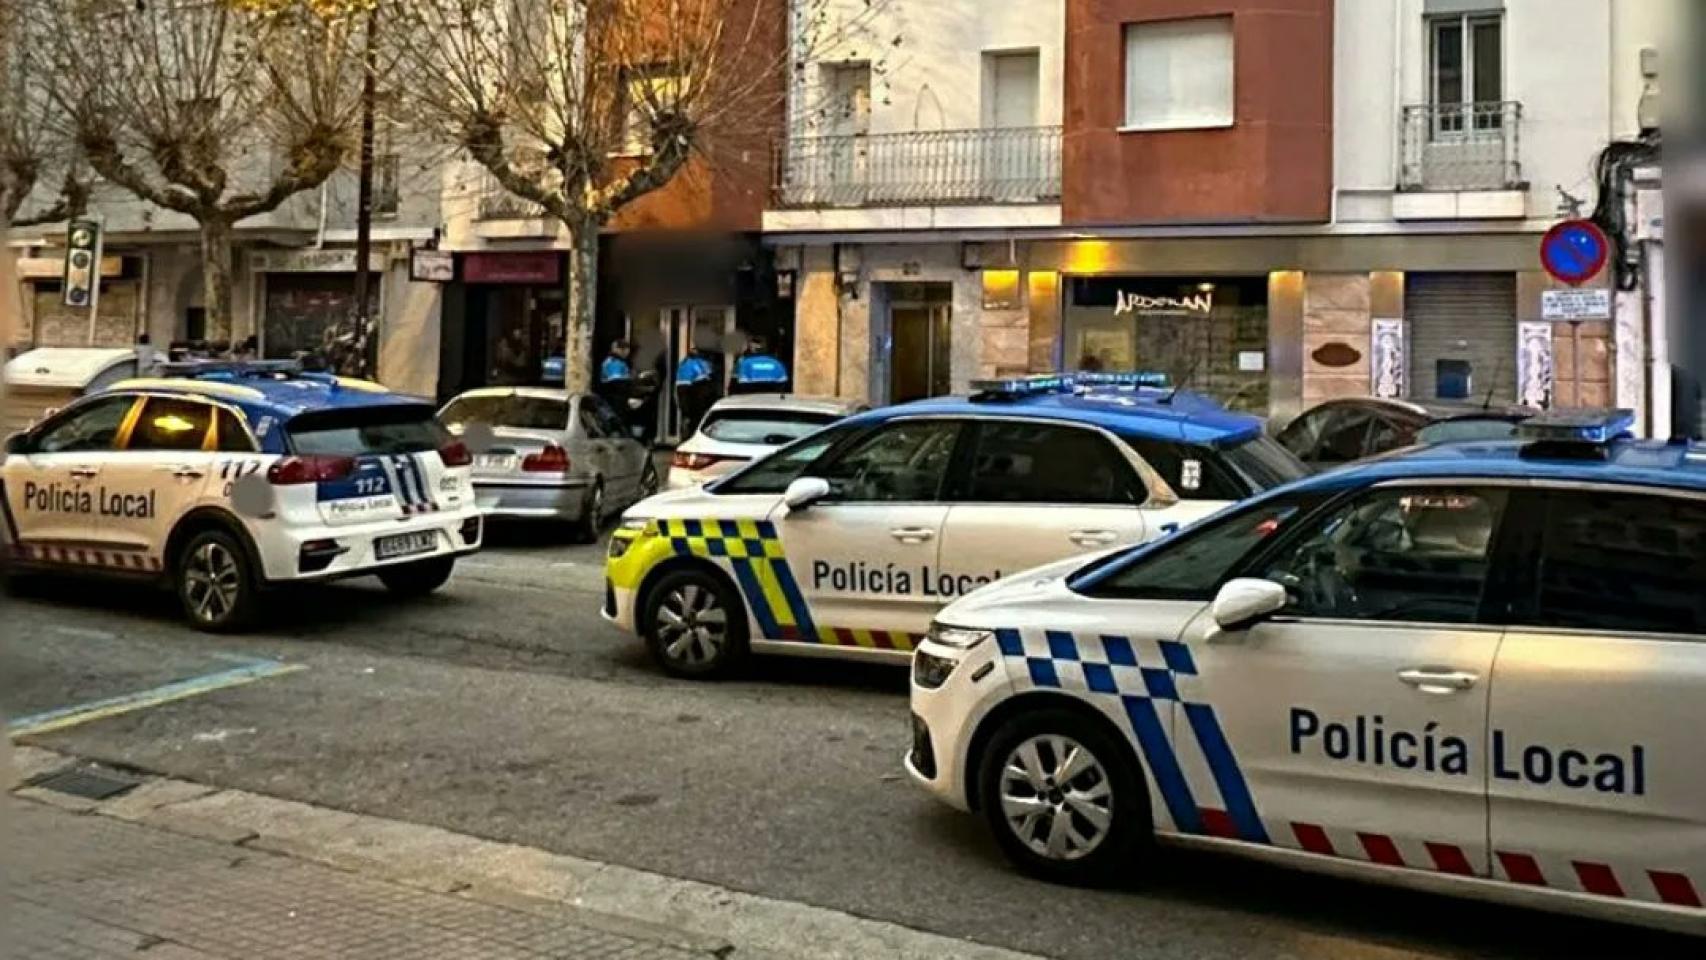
x=72 y=716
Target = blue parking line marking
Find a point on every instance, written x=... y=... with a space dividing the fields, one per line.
x=51 y=720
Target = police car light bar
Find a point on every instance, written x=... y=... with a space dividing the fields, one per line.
x=1130 y=378
x=1014 y=387
x=230 y=369
x=1593 y=427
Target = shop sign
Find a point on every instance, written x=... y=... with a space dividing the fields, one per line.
x=543 y=267
x=1389 y=365
x=1534 y=364
x=312 y=261
x=1146 y=305
x=1575 y=304
x=432 y=266
x=53 y=268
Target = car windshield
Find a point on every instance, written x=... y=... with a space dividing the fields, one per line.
x=769 y=427
x=403 y=428
x=1264 y=463
x=1468 y=429
x=508 y=410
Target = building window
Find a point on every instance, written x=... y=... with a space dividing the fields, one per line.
x=1466 y=72
x=1178 y=74
x=651 y=97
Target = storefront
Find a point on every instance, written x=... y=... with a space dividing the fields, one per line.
x=503 y=319
x=1208 y=334
x=49 y=322
x=1462 y=337
x=307 y=295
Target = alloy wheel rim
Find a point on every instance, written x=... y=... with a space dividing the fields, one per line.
x=692 y=625
x=212 y=584
x=1056 y=797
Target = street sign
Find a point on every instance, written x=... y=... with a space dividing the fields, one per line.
x=432 y=266
x=1592 y=304
x=1574 y=251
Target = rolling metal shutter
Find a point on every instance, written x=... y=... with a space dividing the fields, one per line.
x=1468 y=317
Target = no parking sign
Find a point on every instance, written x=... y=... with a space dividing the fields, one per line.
x=1574 y=251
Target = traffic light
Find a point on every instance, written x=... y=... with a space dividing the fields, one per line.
x=82 y=263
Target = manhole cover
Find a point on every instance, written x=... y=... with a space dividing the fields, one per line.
x=92 y=783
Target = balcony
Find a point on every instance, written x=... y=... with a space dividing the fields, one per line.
x=923 y=168
x=496 y=203
x=1462 y=146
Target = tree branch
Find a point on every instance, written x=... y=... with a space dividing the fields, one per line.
x=483 y=137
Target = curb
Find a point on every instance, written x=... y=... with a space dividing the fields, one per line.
x=688 y=914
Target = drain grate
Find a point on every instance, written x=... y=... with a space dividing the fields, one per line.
x=88 y=782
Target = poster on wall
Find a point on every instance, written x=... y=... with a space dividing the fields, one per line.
x=1388 y=363
x=1534 y=364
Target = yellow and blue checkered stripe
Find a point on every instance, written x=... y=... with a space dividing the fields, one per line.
x=752 y=551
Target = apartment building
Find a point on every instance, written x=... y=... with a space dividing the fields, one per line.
x=1278 y=201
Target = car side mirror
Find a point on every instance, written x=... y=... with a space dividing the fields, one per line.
x=18 y=443
x=1245 y=601
x=804 y=492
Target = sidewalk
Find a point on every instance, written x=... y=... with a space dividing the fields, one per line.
x=176 y=870
x=88 y=886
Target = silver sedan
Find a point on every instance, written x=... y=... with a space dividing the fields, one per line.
x=553 y=455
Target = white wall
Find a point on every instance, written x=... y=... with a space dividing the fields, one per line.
x=933 y=80
x=1572 y=64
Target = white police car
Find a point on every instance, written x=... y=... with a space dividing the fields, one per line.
x=338 y=478
x=1477 y=669
x=846 y=543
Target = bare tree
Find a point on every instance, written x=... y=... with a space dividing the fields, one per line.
x=33 y=153
x=217 y=109
x=582 y=107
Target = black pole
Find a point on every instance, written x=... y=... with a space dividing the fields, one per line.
x=366 y=345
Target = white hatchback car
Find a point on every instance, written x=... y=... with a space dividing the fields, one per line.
x=740 y=429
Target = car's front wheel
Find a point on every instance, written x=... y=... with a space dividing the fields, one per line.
x=1065 y=798
x=419 y=578
x=216 y=583
x=694 y=625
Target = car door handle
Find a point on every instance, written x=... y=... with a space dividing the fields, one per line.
x=1093 y=538
x=188 y=473
x=84 y=473
x=913 y=534
x=1438 y=681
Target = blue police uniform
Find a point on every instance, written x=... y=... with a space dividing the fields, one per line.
x=614 y=369
x=759 y=368
x=692 y=370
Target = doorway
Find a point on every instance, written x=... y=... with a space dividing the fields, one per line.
x=920 y=317
x=712 y=329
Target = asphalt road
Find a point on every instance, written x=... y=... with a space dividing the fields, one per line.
x=504 y=707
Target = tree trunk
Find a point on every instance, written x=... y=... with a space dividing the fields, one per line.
x=580 y=313
x=216 y=277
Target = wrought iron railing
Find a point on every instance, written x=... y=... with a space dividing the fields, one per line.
x=997 y=165
x=1462 y=146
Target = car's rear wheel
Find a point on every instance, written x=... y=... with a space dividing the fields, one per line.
x=419 y=578
x=648 y=479
x=587 y=528
x=1065 y=799
x=694 y=625
x=216 y=583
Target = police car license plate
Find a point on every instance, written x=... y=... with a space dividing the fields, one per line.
x=495 y=461
x=405 y=544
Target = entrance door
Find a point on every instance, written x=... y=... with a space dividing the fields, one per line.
x=681 y=327
x=1358 y=717
x=919 y=341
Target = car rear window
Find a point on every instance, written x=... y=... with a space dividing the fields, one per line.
x=1467 y=429
x=1199 y=472
x=403 y=428
x=1264 y=463
x=770 y=427
x=522 y=412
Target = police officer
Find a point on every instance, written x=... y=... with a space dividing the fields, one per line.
x=695 y=389
x=616 y=378
x=757 y=371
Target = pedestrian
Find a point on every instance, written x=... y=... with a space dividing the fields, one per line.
x=695 y=389
x=248 y=348
x=148 y=359
x=756 y=371
x=616 y=378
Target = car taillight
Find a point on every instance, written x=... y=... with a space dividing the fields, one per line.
x=694 y=461
x=552 y=459
x=455 y=454
x=310 y=469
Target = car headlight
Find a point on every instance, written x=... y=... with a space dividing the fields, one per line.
x=627 y=532
x=930 y=671
x=634 y=524
x=960 y=638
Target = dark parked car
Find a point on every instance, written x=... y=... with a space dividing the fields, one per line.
x=1339 y=431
